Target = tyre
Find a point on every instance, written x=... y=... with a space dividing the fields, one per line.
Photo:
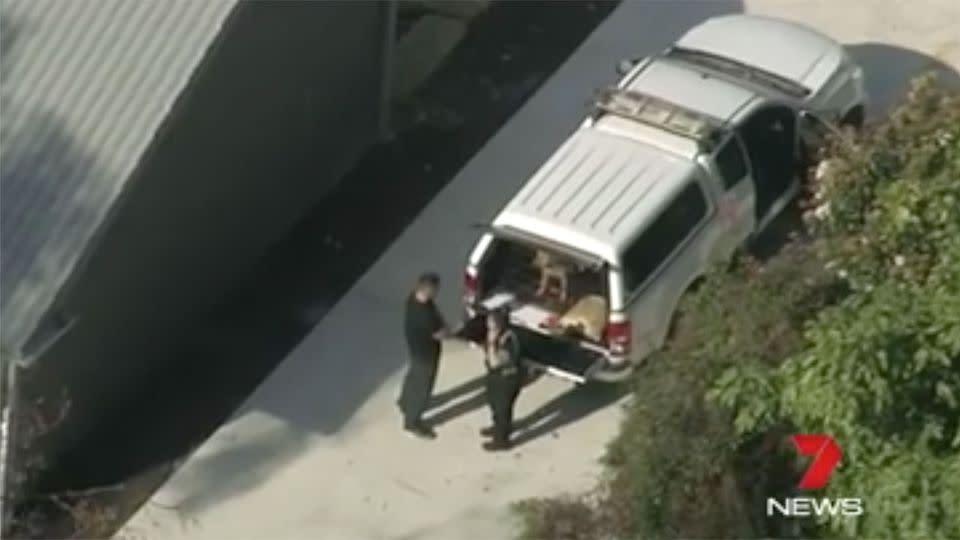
x=614 y=374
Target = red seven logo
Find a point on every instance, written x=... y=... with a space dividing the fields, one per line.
x=826 y=455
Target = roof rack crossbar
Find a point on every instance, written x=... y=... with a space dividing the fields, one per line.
x=660 y=113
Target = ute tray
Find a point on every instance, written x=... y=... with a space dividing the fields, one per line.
x=558 y=355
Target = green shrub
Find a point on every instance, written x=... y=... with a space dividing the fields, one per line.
x=572 y=517
x=674 y=471
x=880 y=371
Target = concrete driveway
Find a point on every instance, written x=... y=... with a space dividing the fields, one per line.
x=317 y=450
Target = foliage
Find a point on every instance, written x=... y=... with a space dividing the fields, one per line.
x=597 y=516
x=880 y=371
x=674 y=469
x=677 y=449
x=73 y=514
x=30 y=423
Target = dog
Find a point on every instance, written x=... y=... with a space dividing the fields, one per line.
x=552 y=269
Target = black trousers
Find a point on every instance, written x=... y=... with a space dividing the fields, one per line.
x=418 y=386
x=503 y=387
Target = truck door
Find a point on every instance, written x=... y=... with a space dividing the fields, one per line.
x=736 y=197
x=770 y=138
x=662 y=262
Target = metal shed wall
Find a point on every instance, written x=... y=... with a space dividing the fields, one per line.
x=281 y=108
x=85 y=87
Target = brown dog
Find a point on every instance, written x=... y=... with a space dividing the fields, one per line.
x=551 y=269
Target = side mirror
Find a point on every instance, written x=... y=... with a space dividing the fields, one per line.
x=813 y=119
x=625 y=66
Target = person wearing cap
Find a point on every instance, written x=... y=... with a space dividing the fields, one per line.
x=424 y=329
x=505 y=375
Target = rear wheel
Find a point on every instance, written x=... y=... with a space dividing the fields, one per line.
x=614 y=374
x=677 y=319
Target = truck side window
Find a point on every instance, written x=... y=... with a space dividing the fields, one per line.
x=731 y=163
x=658 y=241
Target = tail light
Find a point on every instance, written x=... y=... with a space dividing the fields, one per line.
x=470 y=286
x=618 y=336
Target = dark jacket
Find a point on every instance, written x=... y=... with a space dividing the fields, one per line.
x=421 y=321
x=506 y=359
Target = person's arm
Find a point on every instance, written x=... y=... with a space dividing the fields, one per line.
x=440 y=329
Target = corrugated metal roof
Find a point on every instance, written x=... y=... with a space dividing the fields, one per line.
x=86 y=84
x=596 y=191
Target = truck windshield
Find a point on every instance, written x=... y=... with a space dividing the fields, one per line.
x=737 y=70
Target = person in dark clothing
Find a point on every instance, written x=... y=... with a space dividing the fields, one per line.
x=505 y=375
x=424 y=329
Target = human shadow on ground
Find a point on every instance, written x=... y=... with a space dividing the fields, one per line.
x=571 y=406
x=457 y=410
x=466 y=406
x=452 y=394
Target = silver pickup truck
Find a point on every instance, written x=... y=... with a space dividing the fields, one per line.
x=693 y=152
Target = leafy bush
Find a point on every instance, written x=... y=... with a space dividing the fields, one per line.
x=880 y=371
x=598 y=516
x=29 y=512
x=674 y=468
x=676 y=449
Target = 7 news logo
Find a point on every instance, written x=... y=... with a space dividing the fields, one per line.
x=826 y=454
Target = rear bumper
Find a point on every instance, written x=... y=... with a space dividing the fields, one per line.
x=564 y=359
x=601 y=369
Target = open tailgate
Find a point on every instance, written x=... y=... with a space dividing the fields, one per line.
x=564 y=357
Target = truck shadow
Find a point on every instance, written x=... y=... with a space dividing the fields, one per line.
x=888 y=70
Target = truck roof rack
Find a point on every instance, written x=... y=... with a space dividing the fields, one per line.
x=738 y=70
x=659 y=113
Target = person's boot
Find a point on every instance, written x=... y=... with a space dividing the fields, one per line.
x=420 y=430
x=487 y=431
x=497 y=445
